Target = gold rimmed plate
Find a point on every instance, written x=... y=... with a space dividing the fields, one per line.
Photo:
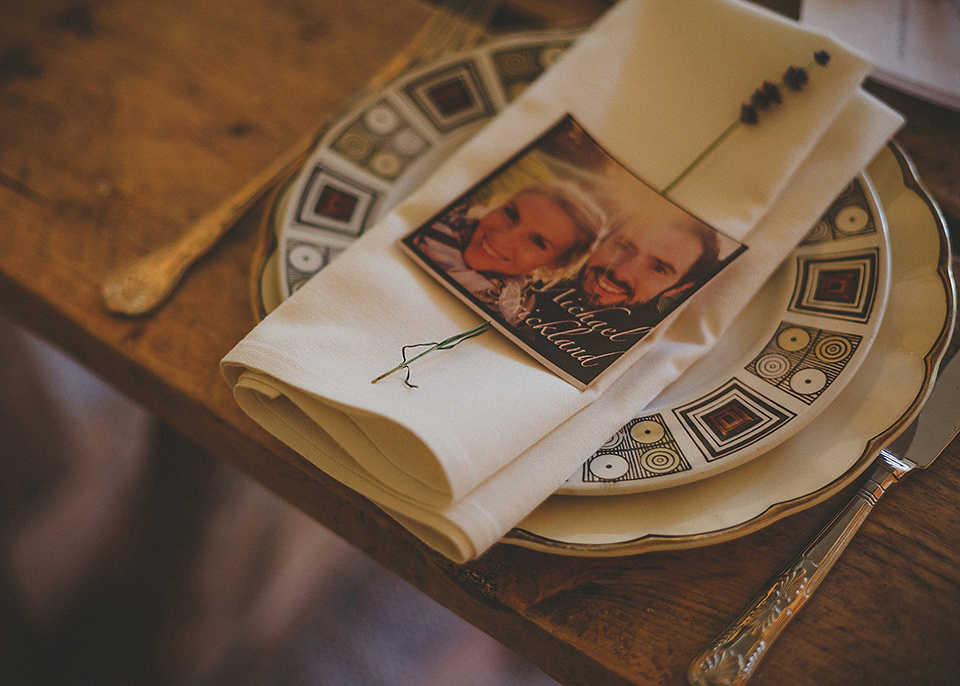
x=881 y=399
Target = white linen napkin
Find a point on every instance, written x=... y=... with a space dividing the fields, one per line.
x=490 y=433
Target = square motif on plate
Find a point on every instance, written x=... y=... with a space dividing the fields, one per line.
x=643 y=448
x=520 y=66
x=335 y=203
x=838 y=286
x=848 y=216
x=381 y=141
x=731 y=418
x=451 y=97
x=803 y=360
x=306 y=259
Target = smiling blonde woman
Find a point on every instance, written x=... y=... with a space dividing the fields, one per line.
x=536 y=233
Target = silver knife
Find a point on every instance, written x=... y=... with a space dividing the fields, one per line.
x=734 y=655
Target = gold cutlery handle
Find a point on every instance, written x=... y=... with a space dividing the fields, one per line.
x=734 y=656
x=139 y=287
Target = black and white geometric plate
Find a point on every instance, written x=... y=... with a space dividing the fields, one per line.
x=797 y=345
x=783 y=361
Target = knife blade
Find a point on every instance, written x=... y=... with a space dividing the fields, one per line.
x=733 y=656
x=937 y=425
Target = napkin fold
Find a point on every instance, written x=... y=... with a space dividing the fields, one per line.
x=490 y=433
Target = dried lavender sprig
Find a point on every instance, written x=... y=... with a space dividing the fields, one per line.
x=794 y=78
x=766 y=95
x=769 y=93
x=709 y=149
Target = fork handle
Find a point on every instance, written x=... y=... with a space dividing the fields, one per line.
x=141 y=286
x=734 y=655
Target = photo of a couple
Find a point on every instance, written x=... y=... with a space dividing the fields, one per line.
x=569 y=253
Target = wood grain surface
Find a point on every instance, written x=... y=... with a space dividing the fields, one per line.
x=121 y=121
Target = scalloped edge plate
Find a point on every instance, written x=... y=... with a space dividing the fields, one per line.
x=882 y=399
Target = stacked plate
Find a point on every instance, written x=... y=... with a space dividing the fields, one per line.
x=856 y=319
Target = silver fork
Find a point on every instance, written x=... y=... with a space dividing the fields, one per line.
x=144 y=284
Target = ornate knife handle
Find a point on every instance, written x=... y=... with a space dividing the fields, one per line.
x=733 y=657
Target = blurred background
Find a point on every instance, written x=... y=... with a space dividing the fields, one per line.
x=125 y=559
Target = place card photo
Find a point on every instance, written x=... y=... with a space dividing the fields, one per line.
x=568 y=253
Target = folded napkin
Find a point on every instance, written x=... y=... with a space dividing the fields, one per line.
x=490 y=433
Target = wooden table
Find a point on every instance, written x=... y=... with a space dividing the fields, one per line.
x=123 y=121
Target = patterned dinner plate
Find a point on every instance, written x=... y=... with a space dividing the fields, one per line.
x=782 y=361
x=879 y=402
x=785 y=359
